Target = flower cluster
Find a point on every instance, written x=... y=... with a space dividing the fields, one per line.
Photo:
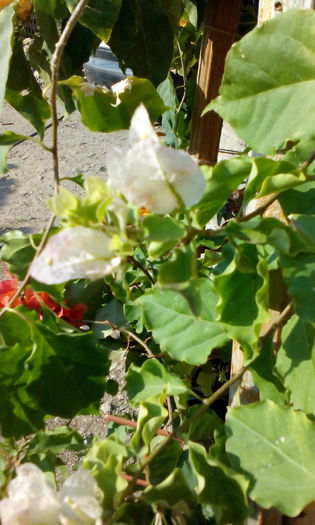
x=33 y=501
x=73 y=315
x=150 y=176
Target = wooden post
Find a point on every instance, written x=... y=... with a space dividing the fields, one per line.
x=221 y=24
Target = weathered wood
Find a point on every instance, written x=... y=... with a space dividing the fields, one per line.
x=220 y=30
x=268 y=9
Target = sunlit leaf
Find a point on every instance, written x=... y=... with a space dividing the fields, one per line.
x=295 y=362
x=151 y=380
x=184 y=335
x=259 y=89
x=243 y=304
x=274 y=445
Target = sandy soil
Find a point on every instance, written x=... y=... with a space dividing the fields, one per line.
x=25 y=188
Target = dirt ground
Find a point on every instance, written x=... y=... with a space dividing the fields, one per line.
x=29 y=181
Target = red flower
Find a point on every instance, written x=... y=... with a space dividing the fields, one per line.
x=8 y=288
x=30 y=300
x=74 y=314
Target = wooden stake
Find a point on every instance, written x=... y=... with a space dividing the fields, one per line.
x=221 y=24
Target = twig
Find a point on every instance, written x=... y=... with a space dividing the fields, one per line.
x=308 y=161
x=181 y=57
x=260 y=210
x=133 y=424
x=141 y=267
x=125 y=331
x=27 y=276
x=55 y=66
x=170 y=414
x=139 y=481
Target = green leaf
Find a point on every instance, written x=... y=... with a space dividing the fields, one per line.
x=34 y=359
x=301 y=153
x=219 y=486
x=243 y=304
x=275 y=446
x=150 y=418
x=221 y=180
x=163 y=465
x=299 y=274
x=112 y=312
x=180 y=268
x=173 y=493
x=269 y=176
x=64 y=204
x=24 y=93
x=184 y=335
x=299 y=200
x=6 y=41
x=295 y=362
x=18 y=251
x=19 y=414
x=202 y=429
x=162 y=228
x=151 y=380
x=139 y=27
x=72 y=361
x=167 y=92
x=54 y=8
x=265 y=377
x=259 y=89
x=105 y=460
x=103 y=110
x=99 y=16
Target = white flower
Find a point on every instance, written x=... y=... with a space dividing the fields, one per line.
x=75 y=253
x=79 y=500
x=152 y=175
x=31 y=500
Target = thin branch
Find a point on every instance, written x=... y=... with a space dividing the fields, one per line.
x=124 y=331
x=308 y=161
x=133 y=424
x=260 y=210
x=181 y=57
x=26 y=279
x=55 y=66
x=141 y=267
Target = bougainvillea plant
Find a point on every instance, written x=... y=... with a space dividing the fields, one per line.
x=134 y=272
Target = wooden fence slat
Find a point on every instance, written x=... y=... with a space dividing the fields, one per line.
x=221 y=24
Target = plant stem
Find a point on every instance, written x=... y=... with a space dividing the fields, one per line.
x=308 y=161
x=27 y=276
x=55 y=66
x=141 y=267
x=124 y=331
